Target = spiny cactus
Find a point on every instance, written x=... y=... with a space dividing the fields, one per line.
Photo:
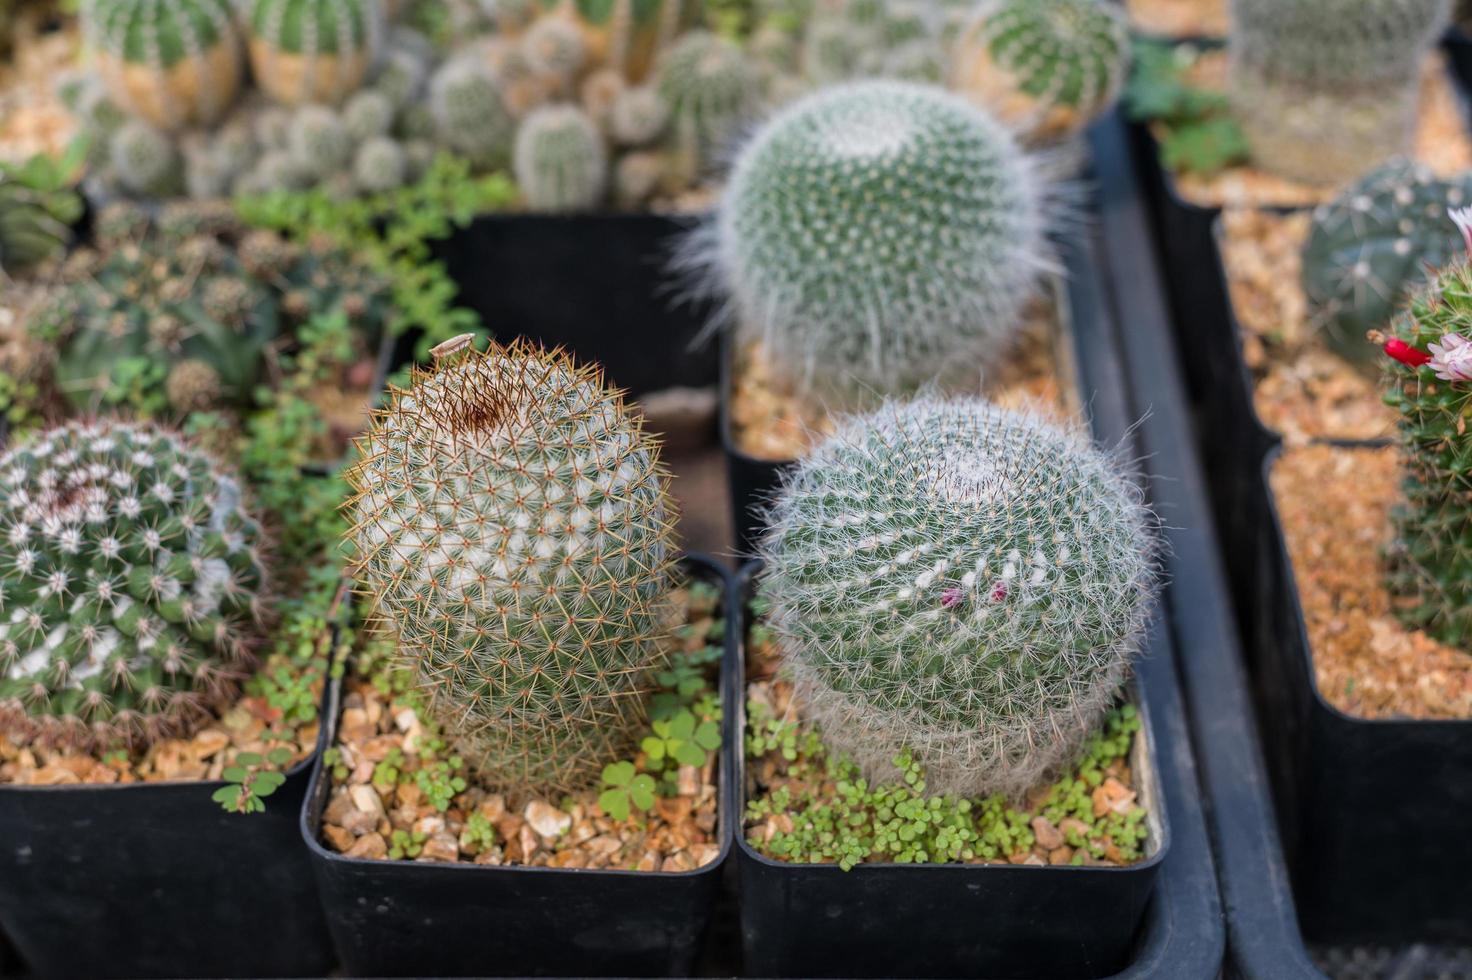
x=37 y=210
x=313 y=50
x=712 y=89
x=319 y=143
x=144 y=160
x=469 y=114
x=1372 y=246
x=1048 y=67
x=554 y=48
x=368 y=114
x=133 y=581
x=627 y=36
x=960 y=580
x=173 y=63
x=560 y=161
x=380 y=165
x=1430 y=563
x=513 y=523
x=874 y=233
x=639 y=116
x=1326 y=89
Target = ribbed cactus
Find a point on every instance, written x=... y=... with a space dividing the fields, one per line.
x=712 y=88
x=1048 y=67
x=873 y=234
x=174 y=63
x=1327 y=89
x=1372 y=246
x=312 y=50
x=625 y=35
x=144 y=160
x=960 y=580
x=469 y=114
x=560 y=160
x=133 y=584
x=1430 y=563
x=37 y=210
x=513 y=523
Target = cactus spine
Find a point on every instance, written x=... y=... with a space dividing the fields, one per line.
x=1048 y=67
x=560 y=161
x=173 y=63
x=313 y=50
x=512 y=522
x=960 y=580
x=874 y=233
x=1326 y=89
x=133 y=584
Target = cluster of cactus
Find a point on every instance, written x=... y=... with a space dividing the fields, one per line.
x=1047 y=67
x=1326 y=89
x=133 y=582
x=874 y=234
x=304 y=51
x=512 y=522
x=173 y=315
x=961 y=582
x=1372 y=246
x=1430 y=562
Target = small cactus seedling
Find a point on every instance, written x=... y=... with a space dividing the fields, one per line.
x=133 y=581
x=875 y=233
x=712 y=89
x=1048 y=67
x=513 y=524
x=313 y=50
x=1370 y=248
x=173 y=63
x=961 y=581
x=1327 y=89
x=560 y=160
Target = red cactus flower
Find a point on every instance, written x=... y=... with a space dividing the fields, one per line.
x=1405 y=353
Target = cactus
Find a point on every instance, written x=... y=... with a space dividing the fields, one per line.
x=368 y=114
x=962 y=581
x=1372 y=246
x=512 y=521
x=637 y=177
x=380 y=165
x=627 y=36
x=1327 y=89
x=402 y=77
x=639 y=116
x=1429 y=566
x=313 y=50
x=554 y=48
x=144 y=160
x=560 y=160
x=712 y=89
x=319 y=143
x=37 y=210
x=134 y=586
x=172 y=63
x=469 y=114
x=874 y=233
x=272 y=126
x=598 y=95
x=1047 y=67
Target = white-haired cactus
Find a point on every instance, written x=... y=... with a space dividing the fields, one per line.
x=133 y=585
x=560 y=160
x=1048 y=67
x=873 y=234
x=144 y=160
x=962 y=581
x=1370 y=248
x=469 y=114
x=513 y=523
x=554 y=49
x=712 y=88
x=1327 y=89
x=174 y=63
x=313 y=50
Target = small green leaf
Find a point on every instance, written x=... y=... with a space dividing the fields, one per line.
x=615 y=803
x=641 y=791
x=618 y=773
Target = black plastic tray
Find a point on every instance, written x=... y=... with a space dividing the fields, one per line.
x=156 y=880
x=596 y=284
x=419 y=918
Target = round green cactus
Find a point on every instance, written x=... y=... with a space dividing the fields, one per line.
x=173 y=63
x=470 y=116
x=305 y=51
x=560 y=161
x=133 y=582
x=1048 y=67
x=712 y=88
x=554 y=48
x=1370 y=248
x=512 y=521
x=962 y=581
x=875 y=233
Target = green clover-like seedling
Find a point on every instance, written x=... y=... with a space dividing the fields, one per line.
x=625 y=788
x=682 y=739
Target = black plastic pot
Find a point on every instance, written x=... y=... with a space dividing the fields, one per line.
x=596 y=284
x=156 y=880
x=420 y=918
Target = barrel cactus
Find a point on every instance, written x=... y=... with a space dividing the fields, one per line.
x=173 y=63
x=1430 y=563
x=1327 y=89
x=313 y=50
x=134 y=585
x=560 y=161
x=37 y=211
x=960 y=580
x=513 y=523
x=712 y=88
x=1048 y=67
x=1372 y=246
x=873 y=234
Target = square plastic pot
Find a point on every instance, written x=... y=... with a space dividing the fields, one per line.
x=423 y=918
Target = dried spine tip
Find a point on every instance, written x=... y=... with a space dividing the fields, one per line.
x=960 y=580
x=512 y=521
